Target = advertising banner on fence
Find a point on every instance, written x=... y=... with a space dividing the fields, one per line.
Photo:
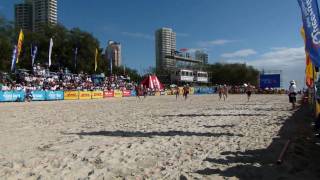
x=84 y=95
x=269 y=81
x=126 y=93
x=12 y=96
x=108 y=94
x=71 y=95
x=117 y=94
x=191 y=89
x=38 y=95
x=97 y=94
x=133 y=93
x=54 y=95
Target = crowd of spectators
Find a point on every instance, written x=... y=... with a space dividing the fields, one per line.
x=42 y=79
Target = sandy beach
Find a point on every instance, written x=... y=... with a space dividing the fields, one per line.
x=158 y=138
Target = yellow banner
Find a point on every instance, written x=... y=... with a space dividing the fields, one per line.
x=20 y=41
x=117 y=94
x=191 y=89
x=84 y=95
x=97 y=94
x=71 y=95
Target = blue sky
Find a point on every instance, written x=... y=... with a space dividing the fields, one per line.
x=263 y=33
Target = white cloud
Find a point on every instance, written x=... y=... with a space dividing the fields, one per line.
x=138 y=35
x=240 y=53
x=291 y=61
x=218 y=42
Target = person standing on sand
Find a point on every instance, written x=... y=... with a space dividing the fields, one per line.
x=220 y=91
x=225 y=92
x=137 y=91
x=248 y=91
x=185 y=91
x=293 y=93
x=177 y=92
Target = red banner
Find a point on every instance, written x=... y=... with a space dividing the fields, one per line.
x=126 y=93
x=108 y=94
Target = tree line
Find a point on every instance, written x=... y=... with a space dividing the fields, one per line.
x=63 y=53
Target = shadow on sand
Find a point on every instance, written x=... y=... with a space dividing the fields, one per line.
x=151 y=134
x=301 y=160
x=212 y=115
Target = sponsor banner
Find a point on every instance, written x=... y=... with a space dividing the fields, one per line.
x=117 y=94
x=38 y=95
x=191 y=90
x=108 y=94
x=168 y=92
x=126 y=93
x=54 y=95
x=84 y=95
x=269 y=81
x=12 y=96
x=203 y=90
x=133 y=93
x=71 y=95
x=97 y=94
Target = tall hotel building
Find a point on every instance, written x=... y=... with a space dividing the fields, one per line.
x=113 y=54
x=165 y=44
x=34 y=14
x=44 y=13
x=23 y=15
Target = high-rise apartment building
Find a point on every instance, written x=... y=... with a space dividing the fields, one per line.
x=201 y=56
x=23 y=15
x=34 y=14
x=165 y=44
x=113 y=54
x=44 y=13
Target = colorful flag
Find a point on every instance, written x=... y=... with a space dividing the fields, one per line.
x=311 y=25
x=96 y=60
x=309 y=67
x=50 y=51
x=14 y=58
x=34 y=52
x=20 y=41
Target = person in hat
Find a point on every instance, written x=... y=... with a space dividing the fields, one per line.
x=293 y=93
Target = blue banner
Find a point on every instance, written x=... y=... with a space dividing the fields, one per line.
x=133 y=93
x=310 y=18
x=54 y=95
x=12 y=96
x=203 y=90
x=38 y=95
x=269 y=81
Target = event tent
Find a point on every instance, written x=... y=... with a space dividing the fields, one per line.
x=152 y=82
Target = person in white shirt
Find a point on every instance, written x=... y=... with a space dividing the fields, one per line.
x=293 y=93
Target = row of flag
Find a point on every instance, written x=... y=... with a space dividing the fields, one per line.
x=311 y=35
x=34 y=50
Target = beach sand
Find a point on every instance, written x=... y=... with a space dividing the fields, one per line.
x=158 y=138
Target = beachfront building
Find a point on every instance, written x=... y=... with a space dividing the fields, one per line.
x=201 y=56
x=113 y=54
x=165 y=44
x=175 y=66
x=44 y=13
x=23 y=15
x=34 y=14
